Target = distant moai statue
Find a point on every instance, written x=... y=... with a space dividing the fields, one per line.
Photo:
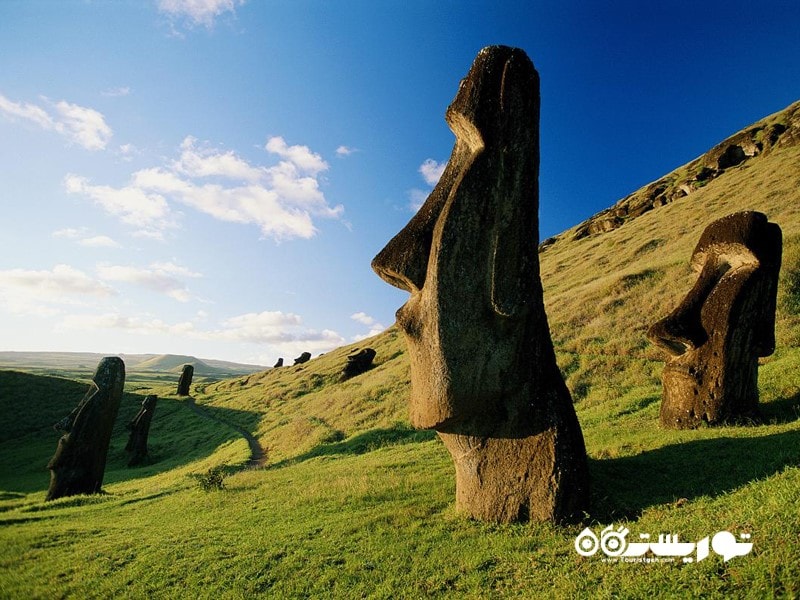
x=303 y=358
x=278 y=364
x=140 y=428
x=725 y=322
x=185 y=382
x=357 y=363
x=483 y=369
x=78 y=465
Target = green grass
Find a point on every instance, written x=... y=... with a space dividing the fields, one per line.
x=352 y=502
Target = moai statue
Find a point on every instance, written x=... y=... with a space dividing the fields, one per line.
x=278 y=364
x=357 y=363
x=725 y=322
x=185 y=382
x=79 y=463
x=303 y=358
x=140 y=428
x=483 y=369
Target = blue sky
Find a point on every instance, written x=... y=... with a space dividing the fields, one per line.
x=213 y=177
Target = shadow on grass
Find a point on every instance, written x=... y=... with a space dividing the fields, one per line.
x=177 y=436
x=783 y=410
x=362 y=443
x=624 y=487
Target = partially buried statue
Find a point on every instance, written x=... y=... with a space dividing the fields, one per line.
x=185 y=382
x=483 y=370
x=140 y=429
x=725 y=322
x=358 y=363
x=79 y=463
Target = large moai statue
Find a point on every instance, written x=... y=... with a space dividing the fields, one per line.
x=140 y=429
x=725 y=322
x=185 y=382
x=79 y=463
x=483 y=369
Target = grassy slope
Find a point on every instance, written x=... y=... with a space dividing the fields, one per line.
x=353 y=502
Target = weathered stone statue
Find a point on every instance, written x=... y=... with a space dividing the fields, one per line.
x=185 y=382
x=278 y=364
x=140 y=428
x=725 y=322
x=303 y=358
x=79 y=463
x=483 y=369
x=357 y=363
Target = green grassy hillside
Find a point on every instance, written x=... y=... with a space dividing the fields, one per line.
x=349 y=501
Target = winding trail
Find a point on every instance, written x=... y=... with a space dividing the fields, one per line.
x=258 y=457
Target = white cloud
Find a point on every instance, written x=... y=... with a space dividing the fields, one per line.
x=281 y=200
x=33 y=292
x=84 y=239
x=282 y=332
x=29 y=112
x=99 y=241
x=300 y=156
x=62 y=279
x=260 y=328
x=206 y=162
x=374 y=326
x=131 y=204
x=116 y=92
x=160 y=277
x=363 y=318
x=137 y=325
x=343 y=151
x=83 y=125
x=70 y=233
x=198 y=12
x=79 y=124
x=127 y=151
x=432 y=171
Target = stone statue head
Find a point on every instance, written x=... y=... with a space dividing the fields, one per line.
x=483 y=370
x=725 y=322
x=469 y=256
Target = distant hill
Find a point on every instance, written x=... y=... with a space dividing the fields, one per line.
x=139 y=363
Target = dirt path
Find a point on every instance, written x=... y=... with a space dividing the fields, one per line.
x=257 y=455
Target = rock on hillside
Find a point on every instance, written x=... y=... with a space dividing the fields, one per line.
x=781 y=129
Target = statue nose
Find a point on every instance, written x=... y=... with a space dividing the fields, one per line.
x=682 y=330
x=403 y=263
x=678 y=333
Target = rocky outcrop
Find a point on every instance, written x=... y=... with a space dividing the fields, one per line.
x=79 y=463
x=722 y=326
x=278 y=364
x=483 y=370
x=776 y=131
